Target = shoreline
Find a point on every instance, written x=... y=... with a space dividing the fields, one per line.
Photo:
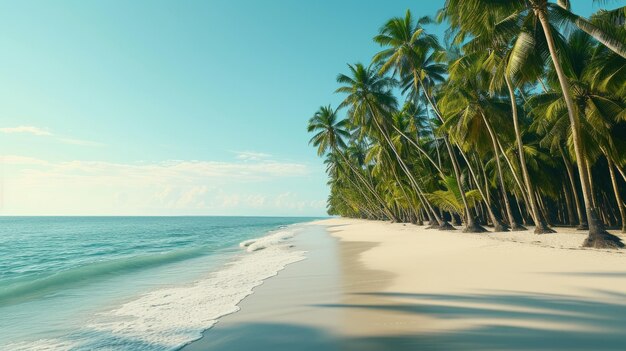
x=148 y=300
x=376 y=285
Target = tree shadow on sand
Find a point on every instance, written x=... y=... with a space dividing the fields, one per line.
x=562 y=322
x=574 y=324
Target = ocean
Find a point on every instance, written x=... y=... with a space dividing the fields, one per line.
x=131 y=283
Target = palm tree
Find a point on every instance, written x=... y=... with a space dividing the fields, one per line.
x=519 y=61
x=473 y=14
x=491 y=43
x=329 y=136
x=407 y=45
x=370 y=104
x=598 y=110
x=465 y=106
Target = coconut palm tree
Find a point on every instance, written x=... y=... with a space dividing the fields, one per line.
x=473 y=14
x=407 y=45
x=492 y=45
x=466 y=105
x=370 y=104
x=519 y=100
x=329 y=137
x=598 y=110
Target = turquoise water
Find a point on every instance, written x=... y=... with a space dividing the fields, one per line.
x=58 y=274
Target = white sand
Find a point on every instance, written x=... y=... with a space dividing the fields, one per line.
x=450 y=281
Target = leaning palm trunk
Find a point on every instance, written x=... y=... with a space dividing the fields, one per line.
x=618 y=197
x=519 y=208
x=369 y=187
x=582 y=225
x=408 y=199
x=470 y=224
x=421 y=150
x=594 y=200
x=621 y=171
x=540 y=226
x=568 y=205
x=599 y=35
x=526 y=197
x=369 y=202
x=598 y=237
x=512 y=223
x=443 y=225
x=497 y=223
x=518 y=182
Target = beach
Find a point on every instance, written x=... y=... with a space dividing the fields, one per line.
x=401 y=175
x=373 y=285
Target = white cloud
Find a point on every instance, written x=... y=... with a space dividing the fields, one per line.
x=26 y=130
x=251 y=155
x=36 y=186
x=42 y=132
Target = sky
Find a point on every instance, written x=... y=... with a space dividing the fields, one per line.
x=175 y=107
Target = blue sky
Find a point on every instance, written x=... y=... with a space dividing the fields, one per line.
x=174 y=107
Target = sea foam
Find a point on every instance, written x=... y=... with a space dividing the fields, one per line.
x=167 y=318
x=271 y=240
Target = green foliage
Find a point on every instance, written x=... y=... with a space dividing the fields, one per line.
x=429 y=129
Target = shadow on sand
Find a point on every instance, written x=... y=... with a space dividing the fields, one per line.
x=510 y=321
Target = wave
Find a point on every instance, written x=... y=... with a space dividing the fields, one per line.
x=266 y=241
x=169 y=318
x=27 y=290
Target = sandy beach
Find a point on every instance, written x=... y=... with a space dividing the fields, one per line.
x=241 y=175
x=380 y=286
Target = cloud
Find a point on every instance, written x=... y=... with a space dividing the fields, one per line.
x=251 y=155
x=161 y=172
x=37 y=186
x=25 y=130
x=42 y=132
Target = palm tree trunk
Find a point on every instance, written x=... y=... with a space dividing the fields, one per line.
x=519 y=207
x=560 y=211
x=512 y=223
x=594 y=198
x=598 y=237
x=369 y=187
x=539 y=219
x=484 y=174
x=369 y=201
x=610 y=210
x=361 y=209
x=568 y=203
x=582 y=225
x=618 y=197
x=596 y=33
x=621 y=171
x=432 y=222
x=543 y=208
x=498 y=226
x=408 y=199
x=443 y=225
x=540 y=227
x=420 y=149
x=470 y=224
